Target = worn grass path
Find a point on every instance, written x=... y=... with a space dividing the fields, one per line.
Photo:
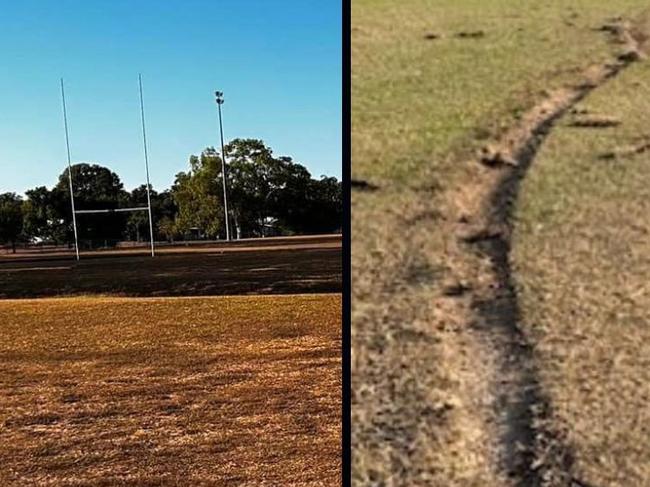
x=528 y=446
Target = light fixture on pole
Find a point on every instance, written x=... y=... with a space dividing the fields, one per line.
x=219 y=99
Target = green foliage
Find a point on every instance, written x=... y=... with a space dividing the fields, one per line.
x=95 y=187
x=263 y=191
x=137 y=223
x=42 y=217
x=11 y=219
x=262 y=188
x=196 y=193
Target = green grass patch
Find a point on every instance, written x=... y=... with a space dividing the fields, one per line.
x=416 y=101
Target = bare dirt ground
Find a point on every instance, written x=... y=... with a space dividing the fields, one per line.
x=212 y=391
x=271 y=266
x=143 y=248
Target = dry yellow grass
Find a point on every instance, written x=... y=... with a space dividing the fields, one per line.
x=427 y=372
x=581 y=256
x=171 y=391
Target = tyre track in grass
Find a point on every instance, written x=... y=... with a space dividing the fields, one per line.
x=445 y=388
x=528 y=448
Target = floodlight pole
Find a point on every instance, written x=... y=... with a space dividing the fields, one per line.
x=219 y=97
x=146 y=164
x=67 y=145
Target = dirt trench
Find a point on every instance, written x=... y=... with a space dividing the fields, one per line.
x=528 y=449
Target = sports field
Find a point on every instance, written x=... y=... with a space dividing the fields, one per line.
x=131 y=382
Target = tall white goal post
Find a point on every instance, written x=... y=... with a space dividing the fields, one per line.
x=76 y=212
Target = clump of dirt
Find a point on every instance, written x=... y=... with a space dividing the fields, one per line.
x=634 y=37
x=643 y=145
x=363 y=185
x=475 y=34
x=613 y=27
x=456 y=289
x=630 y=55
x=586 y=120
x=484 y=234
x=494 y=156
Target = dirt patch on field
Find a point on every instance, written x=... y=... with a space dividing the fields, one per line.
x=205 y=271
x=474 y=34
x=431 y=36
x=594 y=121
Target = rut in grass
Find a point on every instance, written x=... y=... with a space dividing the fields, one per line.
x=529 y=447
x=446 y=391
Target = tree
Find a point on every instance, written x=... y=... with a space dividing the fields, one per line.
x=258 y=182
x=167 y=228
x=137 y=223
x=197 y=196
x=164 y=212
x=325 y=199
x=262 y=187
x=37 y=213
x=251 y=173
x=95 y=187
x=11 y=219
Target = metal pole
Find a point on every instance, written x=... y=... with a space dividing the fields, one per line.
x=219 y=96
x=146 y=164
x=67 y=145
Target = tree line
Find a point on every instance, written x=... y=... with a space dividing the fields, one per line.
x=267 y=195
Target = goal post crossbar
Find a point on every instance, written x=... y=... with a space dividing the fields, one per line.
x=113 y=210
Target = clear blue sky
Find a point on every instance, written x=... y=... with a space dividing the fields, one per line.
x=278 y=63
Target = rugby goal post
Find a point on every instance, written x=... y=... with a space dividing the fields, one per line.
x=76 y=212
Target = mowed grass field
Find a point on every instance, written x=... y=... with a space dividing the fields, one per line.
x=432 y=82
x=171 y=391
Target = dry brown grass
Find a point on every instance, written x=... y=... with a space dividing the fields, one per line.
x=426 y=390
x=171 y=391
x=581 y=255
